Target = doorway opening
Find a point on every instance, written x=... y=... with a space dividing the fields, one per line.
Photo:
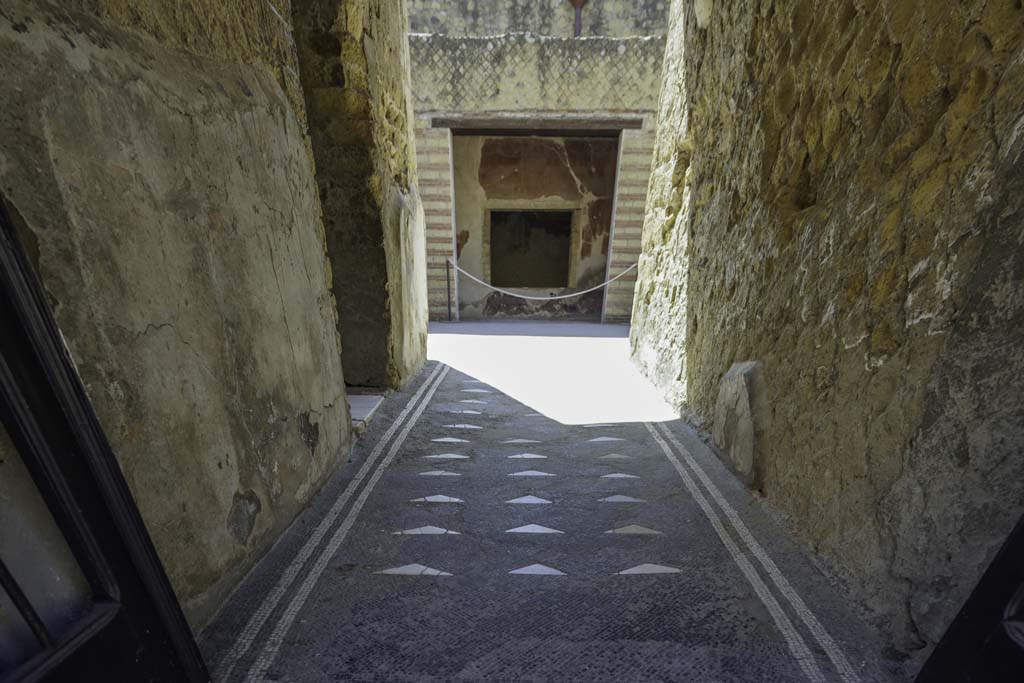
x=530 y=248
x=532 y=214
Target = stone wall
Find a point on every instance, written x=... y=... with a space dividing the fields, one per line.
x=574 y=174
x=658 y=335
x=522 y=72
x=355 y=73
x=545 y=17
x=433 y=162
x=837 y=193
x=156 y=163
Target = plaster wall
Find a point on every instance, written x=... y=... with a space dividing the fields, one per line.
x=837 y=193
x=156 y=163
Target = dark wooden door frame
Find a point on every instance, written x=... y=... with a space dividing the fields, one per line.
x=135 y=629
x=985 y=642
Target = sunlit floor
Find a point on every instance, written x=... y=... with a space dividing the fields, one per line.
x=575 y=373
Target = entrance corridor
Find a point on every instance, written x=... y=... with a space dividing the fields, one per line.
x=488 y=527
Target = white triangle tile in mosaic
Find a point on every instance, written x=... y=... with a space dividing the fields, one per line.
x=633 y=530
x=413 y=570
x=529 y=500
x=649 y=569
x=532 y=529
x=531 y=473
x=537 y=570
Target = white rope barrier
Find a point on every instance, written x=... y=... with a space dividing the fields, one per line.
x=539 y=298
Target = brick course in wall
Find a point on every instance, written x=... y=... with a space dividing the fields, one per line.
x=631 y=196
x=433 y=157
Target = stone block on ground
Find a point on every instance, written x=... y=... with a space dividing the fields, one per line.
x=740 y=415
x=362 y=407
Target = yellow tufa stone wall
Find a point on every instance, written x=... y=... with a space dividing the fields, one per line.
x=355 y=72
x=617 y=18
x=838 y=192
x=659 y=298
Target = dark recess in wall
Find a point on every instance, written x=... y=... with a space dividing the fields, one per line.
x=530 y=248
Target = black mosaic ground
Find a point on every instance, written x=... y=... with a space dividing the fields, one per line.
x=702 y=624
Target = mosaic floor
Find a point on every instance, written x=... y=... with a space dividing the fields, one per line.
x=472 y=538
